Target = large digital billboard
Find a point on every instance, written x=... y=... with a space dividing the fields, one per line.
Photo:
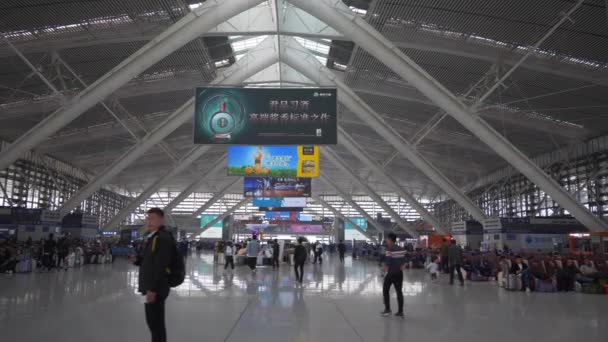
x=273 y=161
x=282 y=202
x=265 y=116
x=277 y=187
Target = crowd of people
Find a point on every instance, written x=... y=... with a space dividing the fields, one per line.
x=51 y=254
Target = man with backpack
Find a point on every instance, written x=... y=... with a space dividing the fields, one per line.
x=161 y=266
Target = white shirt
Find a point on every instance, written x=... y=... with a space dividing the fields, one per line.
x=229 y=251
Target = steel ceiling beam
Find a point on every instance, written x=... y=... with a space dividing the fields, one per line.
x=191 y=26
x=337 y=213
x=216 y=197
x=565 y=17
x=338 y=16
x=253 y=62
x=217 y=165
x=357 y=150
x=335 y=159
x=227 y=213
x=353 y=204
x=298 y=58
x=173 y=171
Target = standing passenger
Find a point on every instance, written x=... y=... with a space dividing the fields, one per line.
x=341 y=250
x=275 y=254
x=253 y=249
x=153 y=276
x=395 y=263
x=229 y=256
x=299 y=258
x=455 y=257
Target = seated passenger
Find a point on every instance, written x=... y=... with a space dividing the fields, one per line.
x=522 y=270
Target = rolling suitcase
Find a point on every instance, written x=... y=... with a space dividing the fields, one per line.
x=24 y=266
x=513 y=282
x=545 y=286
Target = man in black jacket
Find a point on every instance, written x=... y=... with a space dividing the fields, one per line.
x=341 y=250
x=299 y=259
x=276 y=248
x=153 y=277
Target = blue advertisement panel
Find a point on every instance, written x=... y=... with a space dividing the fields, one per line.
x=277 y=187
x=294 y=215
x=205 y=219
x=281 y=202
x=265 y=116
x=359 y=221
x=273 y=161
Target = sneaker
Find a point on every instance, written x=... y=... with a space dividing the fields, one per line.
x=385 y=313
x=399 y=314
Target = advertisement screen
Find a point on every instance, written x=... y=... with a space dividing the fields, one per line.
x=282 y=202
x=273 y=161
x=307 y=228
x=278 y=215
x=359 y=221
x=277 y=187
x=265 y=116
x=278 y=209
x=208 y=218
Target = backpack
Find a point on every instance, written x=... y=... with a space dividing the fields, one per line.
x=176 y=272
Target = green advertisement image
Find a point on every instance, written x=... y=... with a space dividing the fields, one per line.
x=265 y=116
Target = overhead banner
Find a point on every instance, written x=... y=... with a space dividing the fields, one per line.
x=273 y=161
x=281 y=202
x=359 y=221
x=282 y=215
x=277 y=187
x=279 y=209
x=265 y=116
x=306 y=228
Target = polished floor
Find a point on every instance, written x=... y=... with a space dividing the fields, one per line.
x=338 y=303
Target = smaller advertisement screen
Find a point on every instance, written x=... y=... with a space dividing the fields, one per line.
x=205 y=219
x=273 y=161
x=277 y=215
x=279 y=209
x=277 y=187
x=282 y=202
x=306 y=218
x=306 y=228
x=359 y=221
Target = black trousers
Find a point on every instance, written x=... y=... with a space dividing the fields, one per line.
x=229 y=260
x=252 y=262
x=396 y=280
x=275 y=261
x=318 y=256
x=341 y=257
x=457 y=268
x=155 y=318
x=299 y=275
x=444 y=264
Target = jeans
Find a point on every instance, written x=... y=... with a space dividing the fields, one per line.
x=155 y=318
x=457 y=268
x=299 y=275
x=229 y=260
x=396 y=280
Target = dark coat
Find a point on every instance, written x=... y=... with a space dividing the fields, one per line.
x=153 y=264
x=300 y=254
